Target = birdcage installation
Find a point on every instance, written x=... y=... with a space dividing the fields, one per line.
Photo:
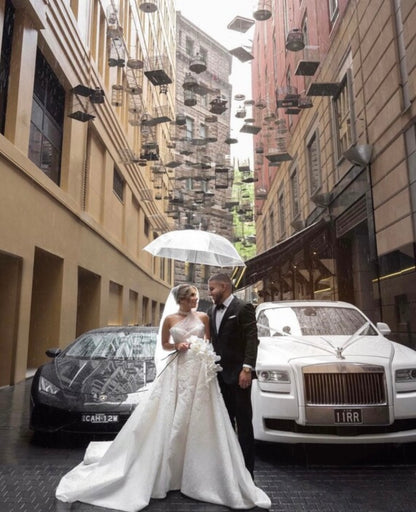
x=287 y=97
x=295 y=40
x=305 y=101
x=134 y=105
x=117 y=95
x=162 y=114
x=262 y=10
x=116 y=52
x=180 y=119
x=190 y=83
x=218 y=105
x=241 y=112
x=198 y=64
x=244 y=164
x=133 y=81
x=150 y=150
x=260 y=193
x=278 y=151
x=308 y=61
x=202 y=161
x=148 y=6
x=189 y=98
x=185 y=147
x=212 y=133
x=158 y=70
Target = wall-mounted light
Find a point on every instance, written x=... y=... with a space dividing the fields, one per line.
x=360 y=154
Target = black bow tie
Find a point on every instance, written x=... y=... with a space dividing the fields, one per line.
x=220 y=306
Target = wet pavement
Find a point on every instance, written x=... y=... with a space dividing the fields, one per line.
x=297 y=478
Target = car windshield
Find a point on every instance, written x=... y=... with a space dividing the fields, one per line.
x=312 y=321
x=114 y=345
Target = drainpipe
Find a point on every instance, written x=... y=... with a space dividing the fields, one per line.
x=369 y=198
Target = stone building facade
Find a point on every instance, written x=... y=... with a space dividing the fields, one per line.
x=203 y=170
x=86 y=101
x=336 y=200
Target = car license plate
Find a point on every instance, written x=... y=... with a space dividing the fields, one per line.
x=348 y=416
x=99 y=418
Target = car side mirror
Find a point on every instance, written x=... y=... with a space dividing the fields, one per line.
x=53 y=352
x=383 y=328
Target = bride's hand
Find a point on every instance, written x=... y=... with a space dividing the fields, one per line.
x=182 y=346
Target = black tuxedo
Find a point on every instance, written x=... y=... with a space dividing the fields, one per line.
x=236 y=342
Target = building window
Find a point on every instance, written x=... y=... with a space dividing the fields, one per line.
x=204 y=54
x=333 y=10
x=189 y=272
x=5 y=56
x=118 y=184
x=314 y=164
x=189 y=47
x=294 y=193
x=46 y=125
x=344 y=119
x=205 y=273
x=282 y=213
x=189 y=128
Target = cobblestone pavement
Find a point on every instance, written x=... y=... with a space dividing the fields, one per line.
x=297 y=478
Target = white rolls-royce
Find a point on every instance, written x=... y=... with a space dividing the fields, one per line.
x=327 y=374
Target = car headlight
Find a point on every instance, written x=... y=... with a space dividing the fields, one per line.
x=406 y=375
x=278 y=376
x=47 y=387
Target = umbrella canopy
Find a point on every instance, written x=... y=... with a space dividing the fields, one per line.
x=196 y=246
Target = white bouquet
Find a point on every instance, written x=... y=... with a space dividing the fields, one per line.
x=204 y=350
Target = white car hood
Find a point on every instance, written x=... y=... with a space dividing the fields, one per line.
x=285 y=349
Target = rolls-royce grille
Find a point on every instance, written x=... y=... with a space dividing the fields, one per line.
x=345 y=388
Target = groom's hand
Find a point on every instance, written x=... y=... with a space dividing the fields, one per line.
x=244 y=379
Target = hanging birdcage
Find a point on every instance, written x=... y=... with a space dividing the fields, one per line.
x=287 y=97
x=117 y=52
x=259 y=148
x=218 y=105
x=261 y=104
x=158 y=70
x=198 y=64
x=134 y=106
x=260 y=192
x=180 y=119
x=305 y=101
x=295 y=40
x=263 y=11
x=212 y=133
x=241 y=112
x=221 y=177
x=148 y=6
x=133 y=81
x=189 y=98
x=117 y=95
x=190 y=83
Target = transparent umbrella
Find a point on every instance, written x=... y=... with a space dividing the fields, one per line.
x=196 y=246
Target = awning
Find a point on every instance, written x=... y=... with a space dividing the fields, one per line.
x=261 y=264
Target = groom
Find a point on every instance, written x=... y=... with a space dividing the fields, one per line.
x=234 y=338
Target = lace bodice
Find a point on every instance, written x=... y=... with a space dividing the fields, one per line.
x=191 y=325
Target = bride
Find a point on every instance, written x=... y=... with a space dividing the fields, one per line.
x=179 y=437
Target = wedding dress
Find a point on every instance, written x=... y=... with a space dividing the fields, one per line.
x=179 y=437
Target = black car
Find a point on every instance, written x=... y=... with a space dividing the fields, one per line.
x=94 y=384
